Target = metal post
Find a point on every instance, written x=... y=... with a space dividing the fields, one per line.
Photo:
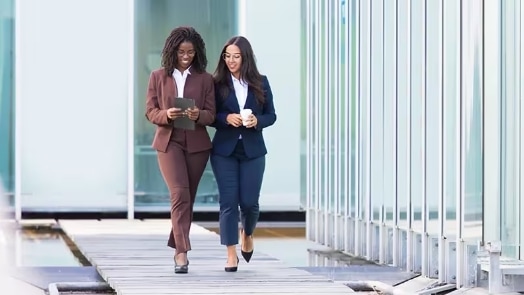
x=494 y=249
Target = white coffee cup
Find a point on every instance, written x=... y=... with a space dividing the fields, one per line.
x=245 y=113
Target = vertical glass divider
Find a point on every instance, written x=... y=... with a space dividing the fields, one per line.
x=308 y=98
x=460 y=201
x=337 y=97
x=368 y=201
x=130 y=116
x=18 y=115
x=358 y=162
x=441 y=203
x=409 y=215
x=316 y=128
x=425 y=215
x=521 y=128
x=396 y=214
x=348 y=121
x=383 y=240
x=326 y=118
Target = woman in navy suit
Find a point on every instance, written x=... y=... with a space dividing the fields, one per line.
x=238 y=155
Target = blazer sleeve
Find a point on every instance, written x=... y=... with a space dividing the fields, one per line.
x=154 y=114
x=268 y=116
x=207 y=114
x=221 y=116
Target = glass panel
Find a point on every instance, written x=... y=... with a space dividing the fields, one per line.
x=304 y=25
x=7 y=99
x=315 y=197
x=324 y=106
x=377 y=110
x=418 y=118
x=281 y=186
x=433 y=114
x=471 y=225
x=344 y=115
x=75 y=106
x=521 y=127
x=364 y=103
x=331 y=108
x=154 y=20
x=403 y=114
x=365 y=121
x=390 y=109
x=510 y=132
x=316 y=119
x=355 y=95
x=451 y=136
x=335 y=101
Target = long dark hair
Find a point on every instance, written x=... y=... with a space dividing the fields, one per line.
x=248 y=70
x=170 y=52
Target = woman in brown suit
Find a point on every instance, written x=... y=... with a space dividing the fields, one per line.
x=182 y=154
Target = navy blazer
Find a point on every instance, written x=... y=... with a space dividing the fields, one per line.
x=227 y=136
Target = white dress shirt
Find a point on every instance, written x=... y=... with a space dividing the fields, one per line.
x=241 y=89
x=180 y=80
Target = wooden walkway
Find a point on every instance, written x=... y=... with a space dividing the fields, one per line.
x=132 y=256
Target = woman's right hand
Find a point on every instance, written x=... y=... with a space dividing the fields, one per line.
x=174 y=113
x=234 y=120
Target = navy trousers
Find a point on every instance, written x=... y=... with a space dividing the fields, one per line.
x=239 y=181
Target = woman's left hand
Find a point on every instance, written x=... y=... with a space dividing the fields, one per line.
x=193 y=113
x=251 y=121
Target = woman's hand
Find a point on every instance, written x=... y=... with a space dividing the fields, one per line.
x=251 y=121
x=192 y=113
x=174 y=113
x=234 y=120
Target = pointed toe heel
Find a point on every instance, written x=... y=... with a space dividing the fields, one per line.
x=232 y=268
x=247 y=255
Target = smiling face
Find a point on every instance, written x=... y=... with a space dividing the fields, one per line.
x=233 y=58
x=185 y=55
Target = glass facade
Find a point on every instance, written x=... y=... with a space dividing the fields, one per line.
x=7 y=98
x=154 y=20
x=104 y=162
x=396 y=145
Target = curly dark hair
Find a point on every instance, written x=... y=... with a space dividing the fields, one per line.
x=248 y=70
x=177 y=37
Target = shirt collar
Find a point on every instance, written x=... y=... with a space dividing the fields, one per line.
x=186 y=72
x=241 y=82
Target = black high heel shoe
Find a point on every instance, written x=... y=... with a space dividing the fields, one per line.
x=247 y=255
x=232 y=268
x=183 y=268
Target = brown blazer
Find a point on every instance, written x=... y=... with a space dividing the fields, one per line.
x=160 y=96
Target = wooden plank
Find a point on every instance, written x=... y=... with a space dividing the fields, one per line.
x=132 y=256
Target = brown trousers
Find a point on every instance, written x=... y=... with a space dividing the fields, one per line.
x=182 y=172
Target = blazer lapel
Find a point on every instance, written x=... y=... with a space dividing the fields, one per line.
x=170 y=86
x=170 y=91
x=250 y=101
x=233 y=101
x=232 y=98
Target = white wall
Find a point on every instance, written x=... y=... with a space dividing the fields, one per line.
x=273 y=28
x=72 y=97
